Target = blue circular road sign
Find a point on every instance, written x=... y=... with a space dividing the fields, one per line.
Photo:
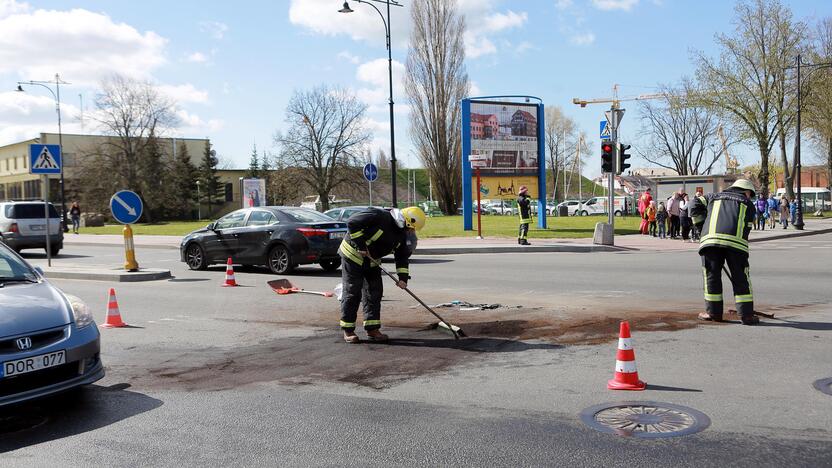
x=126 y=206
x=370 y=172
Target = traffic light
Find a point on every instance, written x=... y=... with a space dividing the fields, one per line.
x=620 y=164
x=607 y=150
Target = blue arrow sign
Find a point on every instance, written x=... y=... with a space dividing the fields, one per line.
x=44 y=159
x=605 y=130
x=126 y=207
x=370 y=172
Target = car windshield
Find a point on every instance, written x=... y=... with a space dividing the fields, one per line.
x=302 y=215
x=29 y=211
x=12 y=268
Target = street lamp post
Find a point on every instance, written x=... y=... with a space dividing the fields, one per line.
x=198 y=202
x=798 y=222
x=346 y=9
x=56 y=94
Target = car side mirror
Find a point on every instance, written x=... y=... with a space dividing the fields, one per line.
x=39 y=270
x=211 y=226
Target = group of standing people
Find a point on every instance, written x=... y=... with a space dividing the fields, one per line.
x=772 y=211
x=673 y=217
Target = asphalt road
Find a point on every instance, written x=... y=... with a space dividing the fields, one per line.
x=240 y=376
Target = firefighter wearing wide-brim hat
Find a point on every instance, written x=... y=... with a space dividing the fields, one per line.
x=726 y=220
x=524 y=206
x=373 y=233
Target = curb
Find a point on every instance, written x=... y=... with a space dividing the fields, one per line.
x=112 y=244
x=114 y=276
x=516 y=249
x=793 y=234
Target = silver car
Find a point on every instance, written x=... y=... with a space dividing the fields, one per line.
x=49 y=342
x=22 y=226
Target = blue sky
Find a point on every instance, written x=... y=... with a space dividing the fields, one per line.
x=233 y=65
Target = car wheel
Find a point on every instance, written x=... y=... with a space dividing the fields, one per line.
x=618 y=213
x=195 y=257
x=330 y=265
x=279 y=261
x=584 y=213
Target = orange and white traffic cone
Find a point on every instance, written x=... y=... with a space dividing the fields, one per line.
x=626 y=375
x=229 y=275
x=113 y=315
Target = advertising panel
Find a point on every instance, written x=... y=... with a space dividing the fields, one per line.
x=254 y=192
x=506 y=134
x=504 y=187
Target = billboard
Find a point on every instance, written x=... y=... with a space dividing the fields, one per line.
x=508 y=135
x=254 y=193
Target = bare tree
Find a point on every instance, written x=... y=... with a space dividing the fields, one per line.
x=436 y=81
x=743 y=81
x=325 y=138
x=679 y=135
x=561 y=137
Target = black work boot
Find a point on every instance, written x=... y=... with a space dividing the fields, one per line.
x=709 y=318
x=750 y=320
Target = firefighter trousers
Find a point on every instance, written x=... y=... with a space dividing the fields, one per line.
x=524 y=230
x=713 y=259
x=360 y=283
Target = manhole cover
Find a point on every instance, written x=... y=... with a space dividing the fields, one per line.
x=645 y=419
x=9 y=424
x=824 y=386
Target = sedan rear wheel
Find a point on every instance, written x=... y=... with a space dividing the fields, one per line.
x=279 y=261
x=195 y=257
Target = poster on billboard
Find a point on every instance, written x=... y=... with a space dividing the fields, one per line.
x=254 y=192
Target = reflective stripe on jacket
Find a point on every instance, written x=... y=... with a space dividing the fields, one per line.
x=375 y=231
x=525 y=209
x=729 y=217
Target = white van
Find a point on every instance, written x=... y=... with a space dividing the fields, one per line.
x=598 y=206
x=814 y=198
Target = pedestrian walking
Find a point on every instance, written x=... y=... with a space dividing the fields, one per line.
x=761 y=213
x=684 y=217
x=525 y=212
x=773 y=211
x=643 y=203
x=793 y=211
x=728 y=217
x=75 y=216
x=661 y=220
x=673 y=212
x=651 y=218
x=784 y=211
x=696 y=219
x=373 y=234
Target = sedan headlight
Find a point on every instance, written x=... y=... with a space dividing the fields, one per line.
x=82 y=313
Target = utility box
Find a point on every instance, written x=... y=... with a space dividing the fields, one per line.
x=603 y=234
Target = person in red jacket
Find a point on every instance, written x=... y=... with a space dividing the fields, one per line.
x=643 y=204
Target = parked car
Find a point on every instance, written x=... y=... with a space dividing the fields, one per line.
x=22 y=226
x=48 y=340
x=280 y=237
x=344 y=213
x=597 y=206
x=572 y=206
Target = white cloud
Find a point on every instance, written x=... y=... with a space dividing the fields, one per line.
x=563 y=4
x=11 y=7
x=83 y=46
x=346 y=55
x=26 y=115
x=197 y=57
x=482 y=26
x=475 y=89
x=216 y=29
x=184 y=93
x=192 y=124
x=523 y=47
x=363 y=24
x=625 y=5
x=582 y=39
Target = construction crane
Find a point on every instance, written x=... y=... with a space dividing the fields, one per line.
x=615 y=100
x=731 y=164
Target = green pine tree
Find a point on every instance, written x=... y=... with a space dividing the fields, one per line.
x=253 y=165
x=208 y=176
x=151 y=187
x=182 y=178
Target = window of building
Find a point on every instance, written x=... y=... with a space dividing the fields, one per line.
x=229 y=192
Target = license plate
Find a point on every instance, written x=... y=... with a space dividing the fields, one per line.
x=31 y=364
x=337 y=235
x=37 y=227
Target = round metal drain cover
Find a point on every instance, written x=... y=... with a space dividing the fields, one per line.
x=824 y=386
x=645 y=419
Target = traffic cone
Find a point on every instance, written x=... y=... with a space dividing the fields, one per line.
x=229 y=275
x=626 y=375
x=113 y=315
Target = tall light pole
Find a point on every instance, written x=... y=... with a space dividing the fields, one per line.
x=798 y=222
x=198 y=202
x=346 y=9
x=57 y=96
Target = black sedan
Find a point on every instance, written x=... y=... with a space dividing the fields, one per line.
x=343 y=214
x=280 y=237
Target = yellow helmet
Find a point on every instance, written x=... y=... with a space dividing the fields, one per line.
x=744 y=184
x=414 y=217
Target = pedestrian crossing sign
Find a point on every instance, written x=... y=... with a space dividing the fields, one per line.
x=605 y=130
x=44 y=159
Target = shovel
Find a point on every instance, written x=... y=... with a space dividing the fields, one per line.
x=283 y=286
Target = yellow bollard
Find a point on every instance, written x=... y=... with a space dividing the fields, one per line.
x=130 y=263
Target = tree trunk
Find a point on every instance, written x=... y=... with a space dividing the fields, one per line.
x=829 y=163
x=764 y=174
x=788 y=176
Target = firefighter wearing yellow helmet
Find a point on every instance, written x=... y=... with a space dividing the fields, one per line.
x=373 y=233
x=724 y=221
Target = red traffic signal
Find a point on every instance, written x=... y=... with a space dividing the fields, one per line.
x=606 y=148
x=607 y=156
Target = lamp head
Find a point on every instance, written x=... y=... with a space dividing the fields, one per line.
x=19 y=89
x=346 y=8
